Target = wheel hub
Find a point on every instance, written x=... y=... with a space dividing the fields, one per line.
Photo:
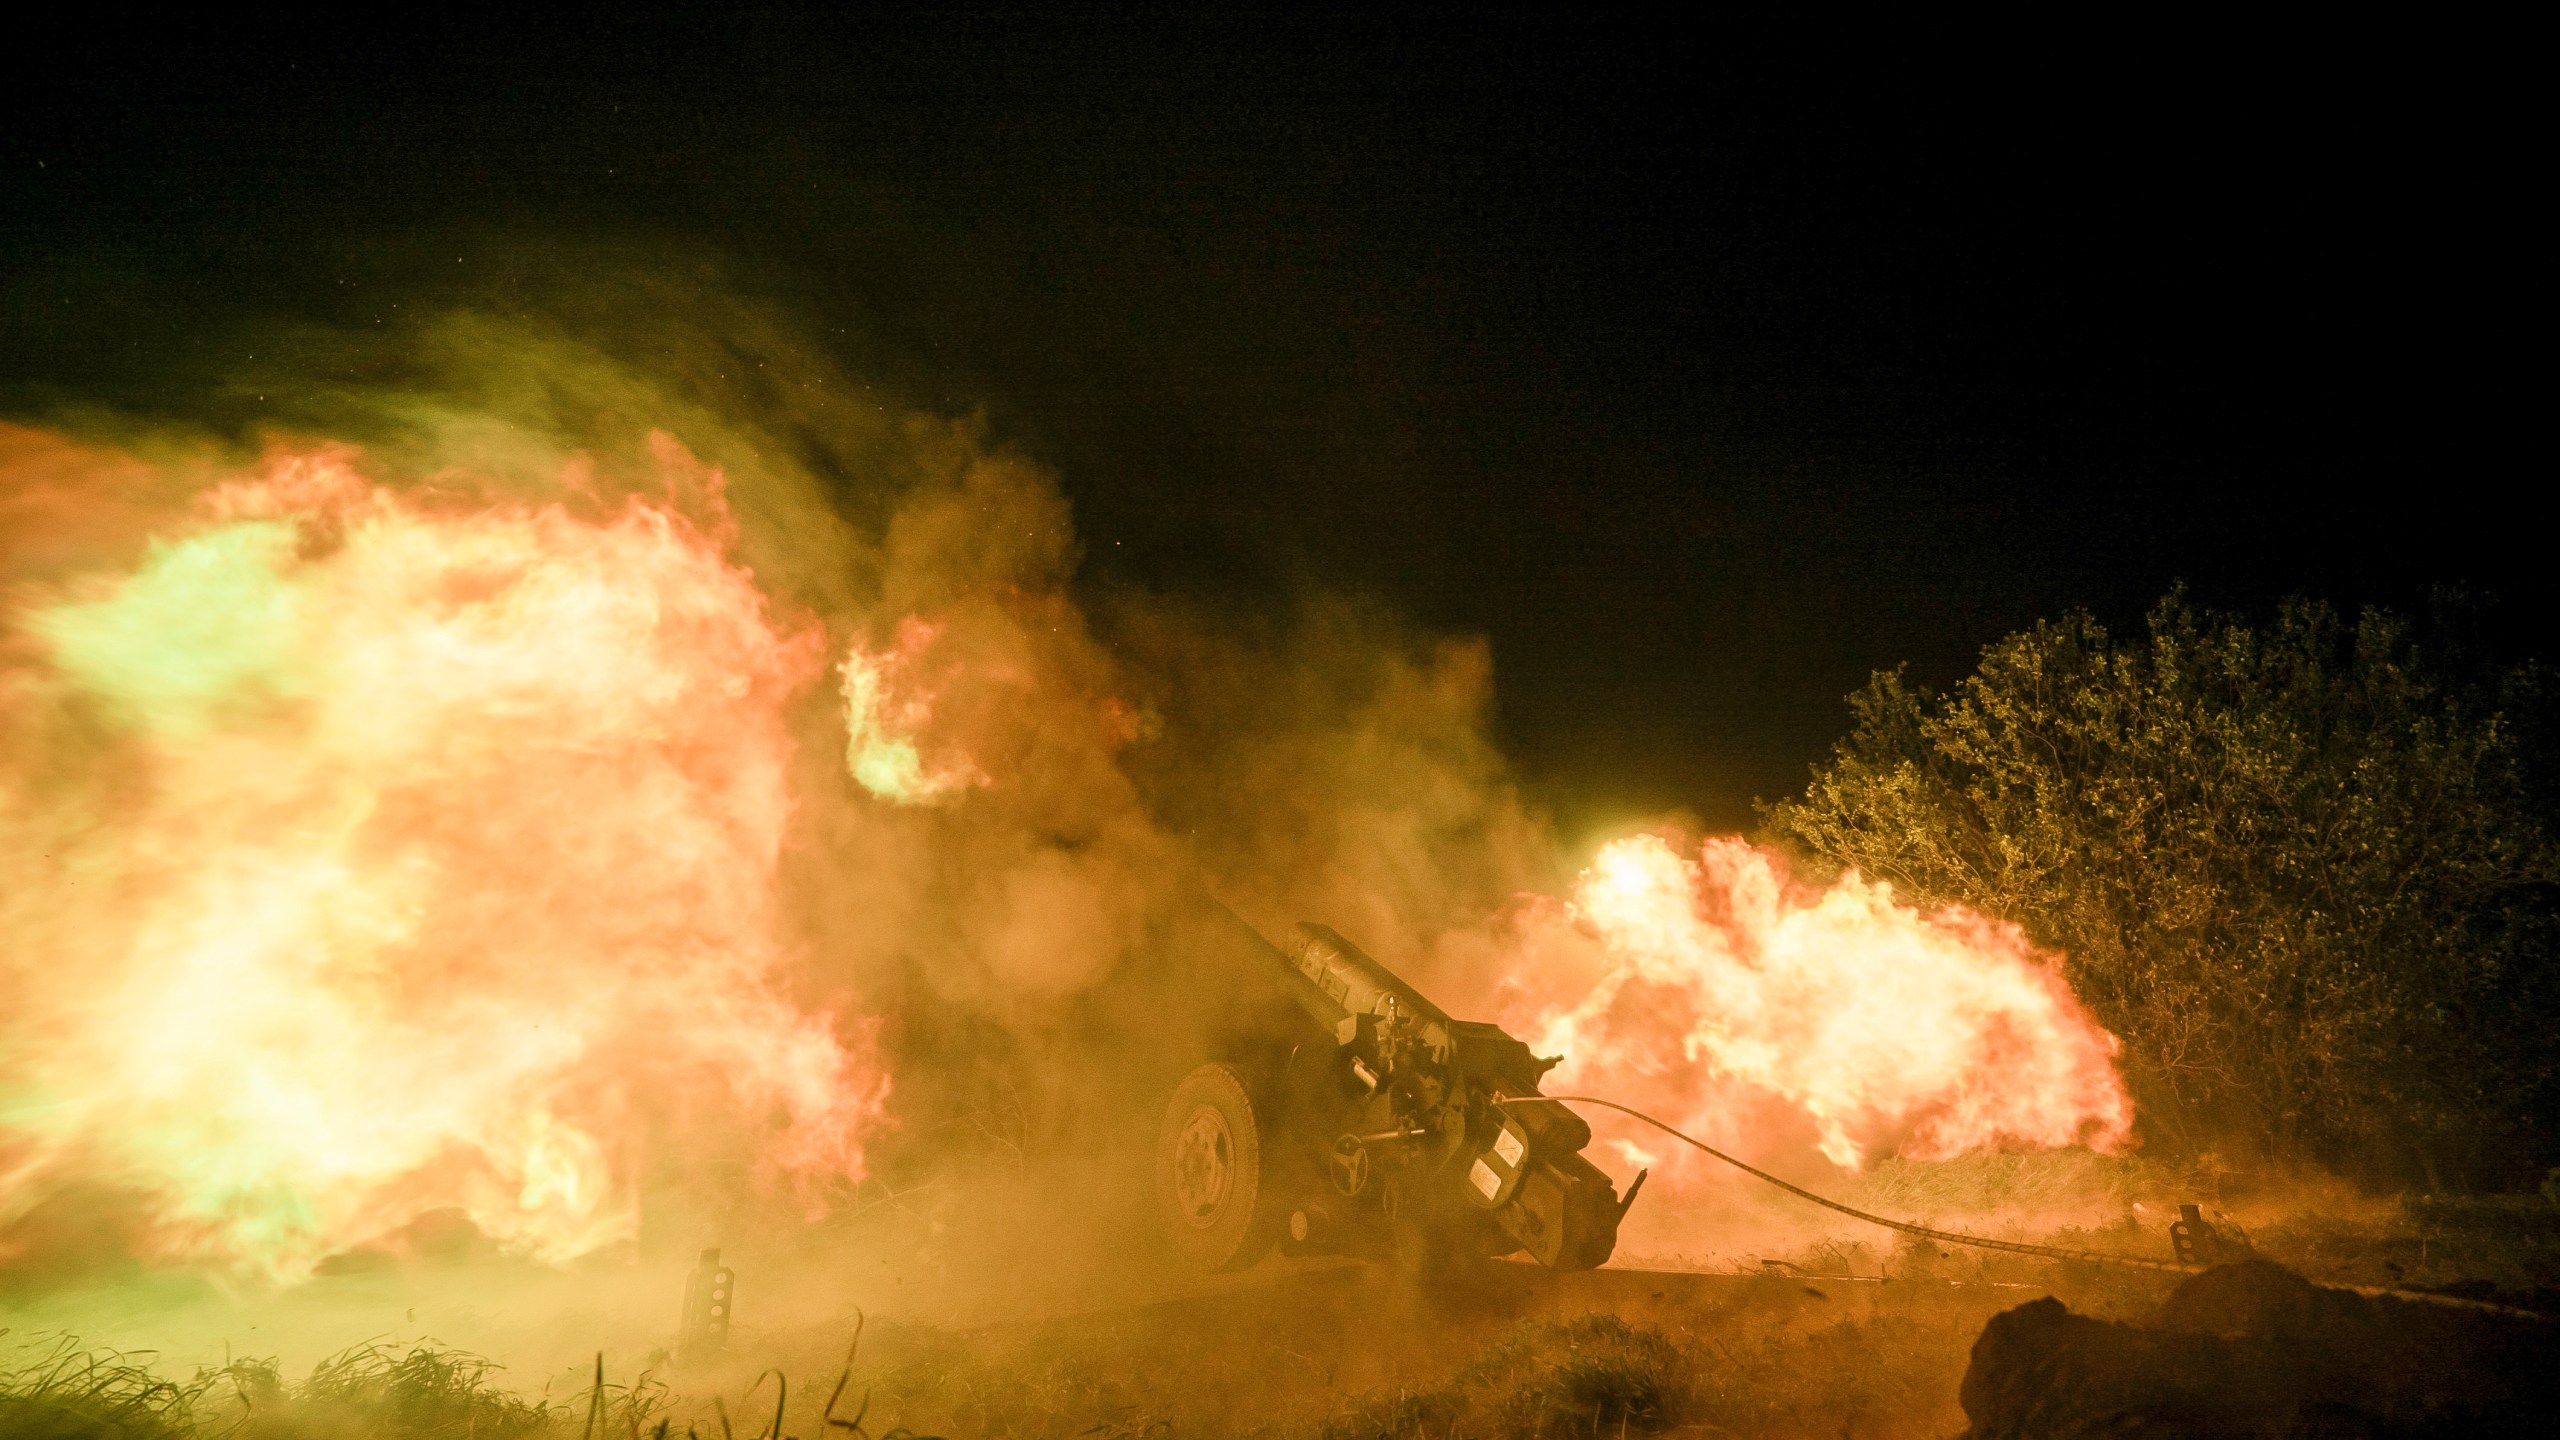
x=1350 y=1165
x=1204 y=1166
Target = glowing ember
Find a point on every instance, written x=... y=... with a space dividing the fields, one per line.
x=420 y=856
x=1706 y=991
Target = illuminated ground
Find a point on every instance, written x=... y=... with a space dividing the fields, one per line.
x=967 y=1336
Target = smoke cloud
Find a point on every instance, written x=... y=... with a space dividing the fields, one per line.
x=560 y=757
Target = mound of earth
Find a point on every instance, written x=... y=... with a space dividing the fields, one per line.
x=2253 y=1349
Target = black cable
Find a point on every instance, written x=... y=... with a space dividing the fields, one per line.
x=1951 y=1237
x=2014 y=1247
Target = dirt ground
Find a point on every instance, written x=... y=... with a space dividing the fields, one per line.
x=1856 y=1334
x=1353 y=1350
x=986 y=1323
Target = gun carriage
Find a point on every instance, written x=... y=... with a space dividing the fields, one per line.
x=1375 y=1126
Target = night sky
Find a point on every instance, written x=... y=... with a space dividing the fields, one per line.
x=1702 y=371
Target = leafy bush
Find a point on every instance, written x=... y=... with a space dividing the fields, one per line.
x=2303 y=870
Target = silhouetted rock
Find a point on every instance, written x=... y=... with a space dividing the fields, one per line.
x=2253 y=1349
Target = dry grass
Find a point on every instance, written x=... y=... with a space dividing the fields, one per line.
x=2509 y=1244
x=58 y=1390
x=1826 y=1349
x=62 y=1392
x=1753 y=1370
x=1594 y=1374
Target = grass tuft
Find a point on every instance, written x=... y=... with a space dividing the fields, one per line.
x=423 y=1393
x=60 y=1390
x=63 y=1392
x=1590 y=1375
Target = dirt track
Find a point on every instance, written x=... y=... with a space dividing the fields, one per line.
x=1307 y=1343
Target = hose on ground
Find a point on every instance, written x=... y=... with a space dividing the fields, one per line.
x=1949 y=1237
x=1985 y=1242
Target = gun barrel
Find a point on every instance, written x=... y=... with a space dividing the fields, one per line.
x=1354 y=984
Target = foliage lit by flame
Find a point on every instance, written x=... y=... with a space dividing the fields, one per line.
x=1706 y=990
x=426 y=860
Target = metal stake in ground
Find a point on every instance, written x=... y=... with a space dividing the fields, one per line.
x=703 y=1331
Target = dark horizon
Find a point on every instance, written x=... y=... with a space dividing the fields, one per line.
x=1702 y=384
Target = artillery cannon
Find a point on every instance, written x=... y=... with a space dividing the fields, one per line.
x=1364 y=1121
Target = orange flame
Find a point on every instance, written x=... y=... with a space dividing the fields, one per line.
x=889 y=712
x=1708 y=991
x=426 y=860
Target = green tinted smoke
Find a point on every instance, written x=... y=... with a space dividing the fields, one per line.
x=204 y=630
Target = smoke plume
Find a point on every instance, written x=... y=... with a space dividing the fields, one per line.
x=540 y=765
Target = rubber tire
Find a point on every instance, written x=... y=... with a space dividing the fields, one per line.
x=1245 y=1221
